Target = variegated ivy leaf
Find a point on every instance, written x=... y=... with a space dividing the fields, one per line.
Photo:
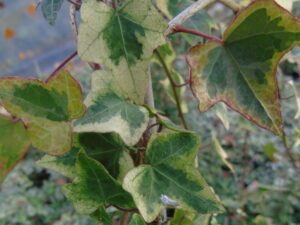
x=94 y=187
x=136 y=219
x=50 y=9
x=64 y=164
x=200 y=21
x=14 y=143
x=170 y=176
x=107 y=112
x=241 y=71
x=123 y=39
x=46 y=108
x=168 y=55
x=109 y=150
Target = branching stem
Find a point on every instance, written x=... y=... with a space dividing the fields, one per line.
x=176 y=96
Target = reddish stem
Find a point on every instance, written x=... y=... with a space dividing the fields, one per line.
x=62 y=65
x=180 y=29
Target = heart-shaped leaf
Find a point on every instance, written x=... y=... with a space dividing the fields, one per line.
x=170 y=178
x=46 y=108
x=123 y=39
x=94 y=187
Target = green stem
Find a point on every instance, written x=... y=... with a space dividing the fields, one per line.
x=177 y=98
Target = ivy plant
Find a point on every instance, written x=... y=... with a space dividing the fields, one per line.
x=118 y=152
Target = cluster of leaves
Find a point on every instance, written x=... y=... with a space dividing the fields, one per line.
x=104 y=144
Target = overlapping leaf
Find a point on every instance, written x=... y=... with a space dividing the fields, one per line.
x=50 y=9
x=241 y=70
x=46 y=108
x=14 y=142
x=94 y=187
x=109 y=150
x=64 y=164
x=170 y=174
x=123 y=39
x=108 y=112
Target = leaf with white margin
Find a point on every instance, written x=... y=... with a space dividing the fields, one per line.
x=45 y=107
x=170 y=172
x=109 y=150
x=123 y=39
x=240 y=70
x=64 y=164
x=110 y=113
x=94 y=187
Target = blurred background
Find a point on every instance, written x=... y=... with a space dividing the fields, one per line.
x=256 y=176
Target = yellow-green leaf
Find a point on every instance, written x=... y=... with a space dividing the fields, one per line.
x=14 y=143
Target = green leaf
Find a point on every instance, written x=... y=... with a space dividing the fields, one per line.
x=94 y=187
x=137 y=220
x=46 y=107
x=123 y=39
x=110 y=113
x=109 y=150
x=102 y=216
x=50 y=9
x=14 y=143
x=170 y=176
x=64 y=164
x=241 y=71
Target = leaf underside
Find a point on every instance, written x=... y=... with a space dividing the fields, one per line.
x=241 y=71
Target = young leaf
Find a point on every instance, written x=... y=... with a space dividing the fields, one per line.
x=103 y=216
x=109 y=150
x=50 y=9
x=46 y=107
x=64 y=164
x=94 y=187
x=241 y=70
x=170 y=173
x=14 y=143
x=123 y=39
x=110 y=113
x=137 y=220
